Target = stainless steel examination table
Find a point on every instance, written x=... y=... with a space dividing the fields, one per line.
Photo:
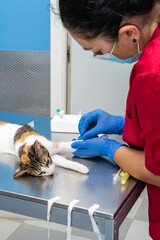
x=28 y=195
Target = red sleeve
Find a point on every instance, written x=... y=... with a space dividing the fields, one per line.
x=146 y=96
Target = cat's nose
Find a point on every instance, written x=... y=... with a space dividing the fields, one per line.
x=50 y=170
x=52 y=167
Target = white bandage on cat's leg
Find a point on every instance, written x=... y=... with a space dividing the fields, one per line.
x=65 y=147
x=65 y=163
x=60 y=148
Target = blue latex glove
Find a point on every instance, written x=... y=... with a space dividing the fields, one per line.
x=99 y=122
x=97 y=146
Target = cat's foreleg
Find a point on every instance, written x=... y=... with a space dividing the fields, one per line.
x=62 y=148
x=65 y=163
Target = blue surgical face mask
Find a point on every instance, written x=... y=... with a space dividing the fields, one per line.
x=111 y=57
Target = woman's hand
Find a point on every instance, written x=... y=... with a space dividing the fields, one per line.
x=100 y=122
x=97 y=146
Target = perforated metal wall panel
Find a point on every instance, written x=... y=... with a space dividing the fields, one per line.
x=25 y=82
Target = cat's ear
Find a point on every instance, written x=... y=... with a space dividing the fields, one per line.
x=37 y=146
x=19 y=172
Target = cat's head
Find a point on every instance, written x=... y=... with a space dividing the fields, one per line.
x=34 y=160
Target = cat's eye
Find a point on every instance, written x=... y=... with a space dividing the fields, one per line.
x=41 y=173
x=48 y=160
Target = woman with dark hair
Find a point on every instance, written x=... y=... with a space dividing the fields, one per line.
x=124 y=31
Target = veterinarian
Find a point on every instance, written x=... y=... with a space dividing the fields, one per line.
x=124 y=31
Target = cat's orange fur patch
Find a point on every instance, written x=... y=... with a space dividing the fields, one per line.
x=2 y=123
x=25 y=135
x=24 y=158
x=56 y=144
x=25 y=149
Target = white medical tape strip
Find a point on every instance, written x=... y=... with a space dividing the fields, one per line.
x=91 y=211
x=50 y=204
x=116 y=176
x=70 y=208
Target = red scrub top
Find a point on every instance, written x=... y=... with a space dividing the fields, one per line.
x=142 y=121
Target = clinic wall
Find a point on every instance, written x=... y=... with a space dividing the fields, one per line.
x=97 y=83
x=25 y=56
x=25 y=25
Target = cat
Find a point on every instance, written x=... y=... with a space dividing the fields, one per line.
x=37 y=155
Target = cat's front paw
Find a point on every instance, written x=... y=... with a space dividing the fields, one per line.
x=82 y=169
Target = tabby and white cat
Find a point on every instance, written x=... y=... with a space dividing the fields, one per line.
x=37 y=155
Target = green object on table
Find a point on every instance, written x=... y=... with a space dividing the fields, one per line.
x=80 y=138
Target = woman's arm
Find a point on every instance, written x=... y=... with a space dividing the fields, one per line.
x=133 y=162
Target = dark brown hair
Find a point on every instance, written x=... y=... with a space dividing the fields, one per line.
x=92 y=18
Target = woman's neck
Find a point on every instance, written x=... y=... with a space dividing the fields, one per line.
x=154 y=19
